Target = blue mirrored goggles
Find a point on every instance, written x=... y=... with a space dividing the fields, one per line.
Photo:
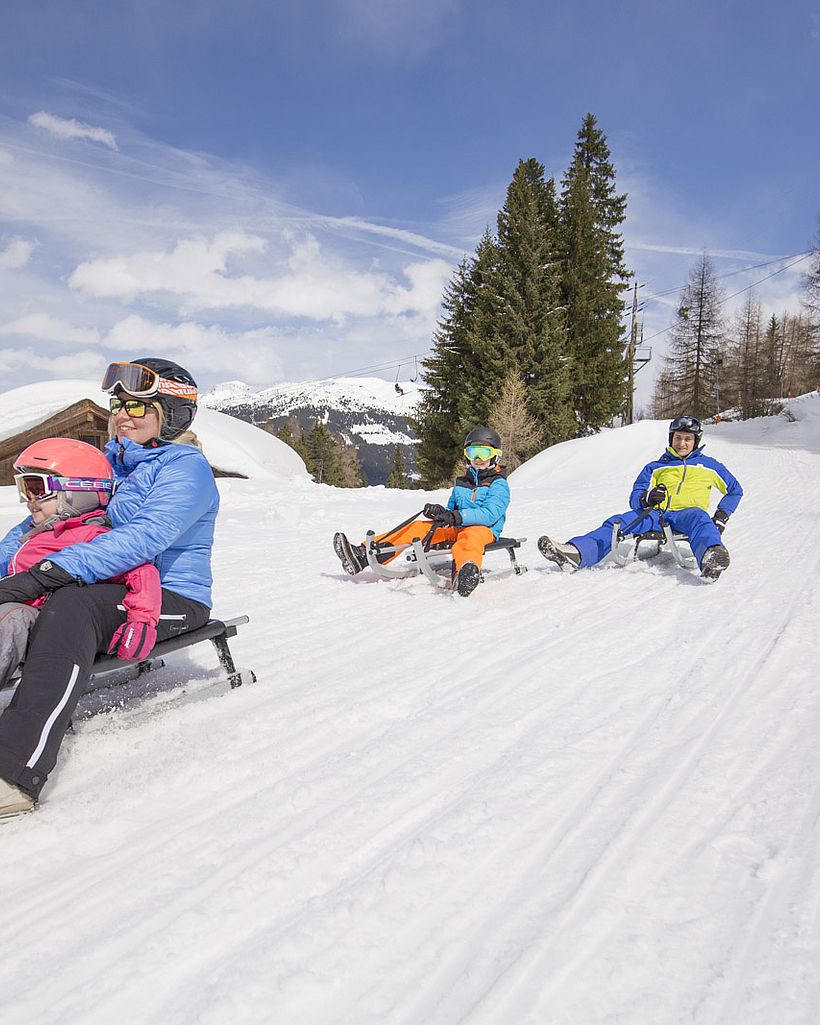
x=483 y=452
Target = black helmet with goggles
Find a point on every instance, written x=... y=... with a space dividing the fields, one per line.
x=689 y=424
x=164 y=382
x=483 y=443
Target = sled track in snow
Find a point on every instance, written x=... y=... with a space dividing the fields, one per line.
x=531 y=959
x=407 y=817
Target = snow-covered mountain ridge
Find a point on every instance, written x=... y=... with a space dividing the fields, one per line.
x=362 y=394
x=370 y=413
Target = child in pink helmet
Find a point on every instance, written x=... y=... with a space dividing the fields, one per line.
x=66 y=485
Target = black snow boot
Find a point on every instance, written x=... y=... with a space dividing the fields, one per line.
x=352 y=557
x=714 y=562
x=467 y=579
x=562 y=555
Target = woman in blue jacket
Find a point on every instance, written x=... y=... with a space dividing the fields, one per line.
x=163 y=511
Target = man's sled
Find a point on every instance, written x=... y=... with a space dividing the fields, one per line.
x=113 y=681
x=433 y=561
x=649 y=544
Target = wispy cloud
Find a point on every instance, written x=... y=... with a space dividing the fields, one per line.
x=69 y=128
x=694 y=251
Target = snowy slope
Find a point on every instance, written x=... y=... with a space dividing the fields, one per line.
x=576 y=799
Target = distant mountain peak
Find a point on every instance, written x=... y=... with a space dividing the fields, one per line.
x=371 y=413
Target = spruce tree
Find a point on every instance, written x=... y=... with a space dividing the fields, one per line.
x=398 y=472
x=593 y=276
x=451 y=373
x=324 y=466
x=485 y=357
x=292 y=434
x=528 y=333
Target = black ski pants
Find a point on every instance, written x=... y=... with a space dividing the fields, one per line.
x=74 y=625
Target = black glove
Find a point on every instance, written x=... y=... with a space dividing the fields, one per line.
x=655 y=496
x=441 y=516
x=720 y=519
x=41 y=579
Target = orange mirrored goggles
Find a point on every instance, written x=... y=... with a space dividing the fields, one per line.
x=143 y=382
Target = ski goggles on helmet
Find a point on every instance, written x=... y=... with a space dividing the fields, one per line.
x=685 y=423
x=37 y=487
x=483 y=452
x=143 y=382
x=136 y=408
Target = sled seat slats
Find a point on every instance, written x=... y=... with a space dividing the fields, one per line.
x=504 y=544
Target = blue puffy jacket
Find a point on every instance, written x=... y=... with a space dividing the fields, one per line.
x=163 y=511
x=482 y=497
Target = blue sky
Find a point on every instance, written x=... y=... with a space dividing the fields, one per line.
x=279 y=191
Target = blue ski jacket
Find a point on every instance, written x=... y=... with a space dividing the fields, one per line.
x=688 y=481
x=482 y=497
x=163 y=511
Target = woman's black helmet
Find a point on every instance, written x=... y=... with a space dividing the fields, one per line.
x=178 y=411
x=686 y=423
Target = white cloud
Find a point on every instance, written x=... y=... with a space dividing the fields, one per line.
x=48 y=328
x=36 y=364
x=16 y=254
x=201 y=347
x=69 y=128
x=306 y=281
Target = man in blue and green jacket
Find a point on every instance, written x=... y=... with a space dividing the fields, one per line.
x=679 y=485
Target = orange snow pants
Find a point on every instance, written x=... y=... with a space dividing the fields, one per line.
x=468 y=542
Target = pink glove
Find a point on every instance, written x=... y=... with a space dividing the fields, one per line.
x=133 y=641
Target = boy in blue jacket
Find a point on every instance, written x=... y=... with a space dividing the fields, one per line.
x=473 y=517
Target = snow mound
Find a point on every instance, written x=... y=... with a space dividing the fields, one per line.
x=231 y=445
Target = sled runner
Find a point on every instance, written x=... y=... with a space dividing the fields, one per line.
x=433 y=561
x=665 y=538
x=109 y=672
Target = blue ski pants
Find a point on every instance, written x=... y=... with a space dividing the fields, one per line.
x=695 y=523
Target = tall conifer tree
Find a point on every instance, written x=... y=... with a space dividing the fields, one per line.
x=696 y=341
x=452 y=401
x=530 y=329
x=594 y=273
